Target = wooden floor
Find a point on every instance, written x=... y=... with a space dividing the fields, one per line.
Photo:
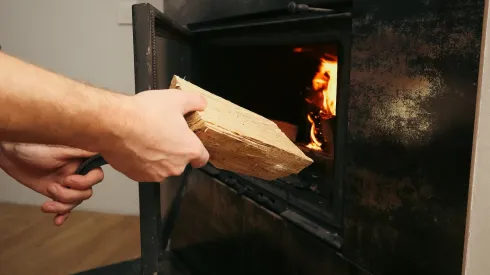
x=31 y=244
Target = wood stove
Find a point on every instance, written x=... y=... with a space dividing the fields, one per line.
x=370 y=90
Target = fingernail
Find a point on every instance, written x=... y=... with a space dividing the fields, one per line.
x=50 y=207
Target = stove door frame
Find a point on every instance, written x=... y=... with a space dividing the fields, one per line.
x=152 y=29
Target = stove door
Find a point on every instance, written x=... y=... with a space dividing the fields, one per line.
x=161 y=46
x=161 y=49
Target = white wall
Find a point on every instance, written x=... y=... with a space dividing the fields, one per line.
x=81 y=39
x=477 y=241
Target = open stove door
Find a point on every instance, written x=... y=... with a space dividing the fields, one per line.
x=161 y=49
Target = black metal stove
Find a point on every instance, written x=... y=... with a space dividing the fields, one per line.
x=266 y=64
x=396 y=134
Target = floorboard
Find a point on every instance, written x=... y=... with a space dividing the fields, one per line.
x=31 y=244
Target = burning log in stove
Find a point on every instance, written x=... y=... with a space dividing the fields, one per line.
x=320 y=116
x=321 y=109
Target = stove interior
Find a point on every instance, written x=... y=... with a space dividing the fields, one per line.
x=295 y=85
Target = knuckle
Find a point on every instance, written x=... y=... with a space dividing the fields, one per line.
x=101 y=176
x=97 y=176
x=68 y=199
x=194 y=151
x=61 y=195
x=195 y=154
x=176 y=170
x=62 y=209
x=46 y=209
x=157 y=175
x=89 y=194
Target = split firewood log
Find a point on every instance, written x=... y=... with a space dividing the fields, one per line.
x=241 y=141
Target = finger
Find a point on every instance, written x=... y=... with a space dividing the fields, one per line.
x=60 y=219
x=202 y=156
x=201 y=160
x=70 y=153
x=61 y=152
x=60 y=193
x=56 y=207
x=66 y=152
x=193 y=102
x=80 y=182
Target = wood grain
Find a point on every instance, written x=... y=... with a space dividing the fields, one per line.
x=31 y=244
x=289 y=129
x=241 y=141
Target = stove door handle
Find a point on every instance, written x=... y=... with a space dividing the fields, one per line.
x=90 y=164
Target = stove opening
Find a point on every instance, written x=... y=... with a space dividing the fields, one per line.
x=296 y=86
x=293 y=85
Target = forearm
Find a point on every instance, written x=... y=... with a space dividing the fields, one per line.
x=39 y=106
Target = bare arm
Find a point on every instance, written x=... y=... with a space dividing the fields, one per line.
x=39 y=106
x=144 y=136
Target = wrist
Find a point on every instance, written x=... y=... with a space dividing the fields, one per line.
x=115 y=114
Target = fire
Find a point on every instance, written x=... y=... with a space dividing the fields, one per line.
x=314 y=143
x=324 y=85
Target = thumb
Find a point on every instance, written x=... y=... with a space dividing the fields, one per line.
x=193 y=102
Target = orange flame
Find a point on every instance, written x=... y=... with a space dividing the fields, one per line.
x=325 y=84
x=314 y=143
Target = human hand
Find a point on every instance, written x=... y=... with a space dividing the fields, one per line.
x=156 y=141
x=49 y=170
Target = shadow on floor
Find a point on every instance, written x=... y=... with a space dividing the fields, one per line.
x=168 y=266
x=131 y=267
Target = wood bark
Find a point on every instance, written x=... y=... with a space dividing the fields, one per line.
x=241 y=141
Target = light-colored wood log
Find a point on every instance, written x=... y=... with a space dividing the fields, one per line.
x=241 y=141
x=289 y=129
